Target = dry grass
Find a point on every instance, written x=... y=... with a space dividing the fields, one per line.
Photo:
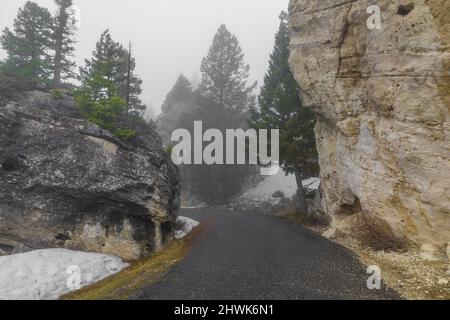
x=407 y=273
x=140 y=274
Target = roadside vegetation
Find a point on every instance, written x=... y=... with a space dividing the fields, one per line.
x=40 y=53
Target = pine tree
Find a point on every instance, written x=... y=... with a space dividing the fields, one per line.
x=64 y=27
x=116 y=65
x=222 y=102
x=129 y=84
x=109 y=94
x=28 y=45
x=99 y=96
x=281 y=108
x=225 y=74
x=106 y=64
x=182 y=91
x=177 y=111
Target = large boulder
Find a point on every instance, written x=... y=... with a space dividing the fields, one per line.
x=67 y=183
x=382 y=99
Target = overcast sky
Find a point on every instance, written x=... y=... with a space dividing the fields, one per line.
x=171 y=36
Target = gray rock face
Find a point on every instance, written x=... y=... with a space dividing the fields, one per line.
x=67 y=183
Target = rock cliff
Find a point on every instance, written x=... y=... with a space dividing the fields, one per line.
x=382 y=99
x=67 y=183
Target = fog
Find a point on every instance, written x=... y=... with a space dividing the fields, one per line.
x=171 y=37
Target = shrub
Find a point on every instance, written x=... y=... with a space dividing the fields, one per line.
x=56 y=93
x=125 y=133
x=107 y=113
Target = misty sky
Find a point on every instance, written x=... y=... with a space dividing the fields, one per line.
x=171 y=36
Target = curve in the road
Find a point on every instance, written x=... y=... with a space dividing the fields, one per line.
x=256 y=257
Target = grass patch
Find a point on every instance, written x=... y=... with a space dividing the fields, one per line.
x=296 y=218
x=305 y=221
x=139 y=274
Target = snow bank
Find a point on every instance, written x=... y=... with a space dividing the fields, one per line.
x=279 y=182
x=184 y=226
x=51 y=273
x=266 y=194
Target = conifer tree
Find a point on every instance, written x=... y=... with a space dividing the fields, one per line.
x=280 y=107
x=103 y=95
x=129 y=84
x=63 y=41
x=223 y=99
x=225 y=74
x=116 y=65
x=182 y=91
x=28 y=44
x=105 y=66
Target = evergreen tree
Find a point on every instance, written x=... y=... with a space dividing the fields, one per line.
x=129 y=84
x=281 y=108
x=28 y=44
x=177 y=111
x=225 y=74
x=222 y=102
x=182 y=91
x=105 y=66
x=102 y=97
x=116 y=65
x=64 y=27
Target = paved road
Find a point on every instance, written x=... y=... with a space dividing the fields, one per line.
x=253 y=257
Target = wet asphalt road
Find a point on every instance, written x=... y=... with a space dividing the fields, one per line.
x=243 y=256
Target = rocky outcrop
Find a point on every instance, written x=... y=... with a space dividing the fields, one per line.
x=382 y=99
x=67 y=183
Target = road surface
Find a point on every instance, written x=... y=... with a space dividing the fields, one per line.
x=257 y=257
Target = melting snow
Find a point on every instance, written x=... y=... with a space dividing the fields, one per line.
x=185 y=226
x=50 y=273
x=279 y=182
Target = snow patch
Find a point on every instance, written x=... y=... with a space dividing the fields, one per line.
x=184 y=226
x=272 y=192
x=279 y=182
x=48 y=274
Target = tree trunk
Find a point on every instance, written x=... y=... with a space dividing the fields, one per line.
x=128 y=78
x=57 y=66
x=59 y=34
x=301 y=194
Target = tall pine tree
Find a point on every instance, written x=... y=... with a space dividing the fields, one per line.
x=225 y=74
x=223 y=99
x=177 y=111
x=99 y=98
x=116 y=65
x=109 y=94
x=63 y=41
x=129 y=84
x=105 y=66
x=281 y=108
x=28 y=44
x=182 y=91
